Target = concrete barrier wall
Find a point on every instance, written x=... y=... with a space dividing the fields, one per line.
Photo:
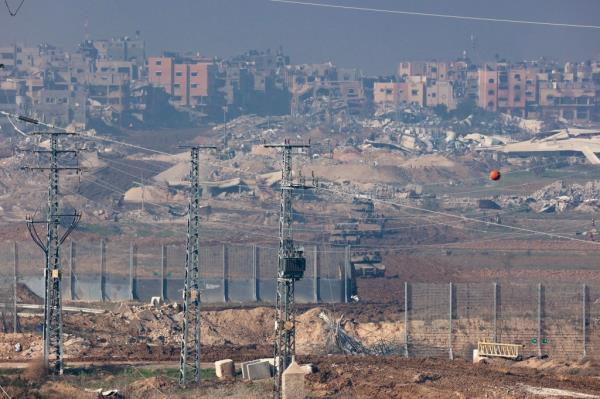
x=104 y=271
x=239 y=291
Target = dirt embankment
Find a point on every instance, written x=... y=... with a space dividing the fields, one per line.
x=394 y=377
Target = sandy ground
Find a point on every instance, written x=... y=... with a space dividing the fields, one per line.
x=334 y=377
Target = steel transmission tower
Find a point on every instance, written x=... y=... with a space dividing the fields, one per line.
x=291 y=267
x=190 y=341
x=53 y=346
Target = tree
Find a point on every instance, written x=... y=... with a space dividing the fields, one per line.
x=465 y=108
x=441 y=110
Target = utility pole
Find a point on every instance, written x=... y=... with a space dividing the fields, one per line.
x=53 y=345
x=291 y=267
x=52 y=335
x=190 y=342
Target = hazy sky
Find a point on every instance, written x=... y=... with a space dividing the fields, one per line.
x=374 y=42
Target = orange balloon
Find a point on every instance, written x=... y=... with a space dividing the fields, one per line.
x=495 y=175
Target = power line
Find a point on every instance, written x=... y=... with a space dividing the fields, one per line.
x=16 y=11
x=435 y=15
x=465 y=218
x=107 y=185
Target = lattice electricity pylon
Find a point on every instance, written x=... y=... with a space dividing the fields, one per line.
x=190 y=342
x=291 y=267
x=53 y=346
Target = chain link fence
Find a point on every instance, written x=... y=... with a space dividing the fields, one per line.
x=560 y=320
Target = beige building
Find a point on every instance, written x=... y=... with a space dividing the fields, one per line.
x=573 y=101
x=389 y=95
x=415 y=92
x=440 y=93
x=429 y=69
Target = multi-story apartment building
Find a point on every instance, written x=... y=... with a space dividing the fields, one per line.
x=508 y=90
x=432 y=70
x=190 y=80
x=389 y=95
x=440 y=93
x=572 y=101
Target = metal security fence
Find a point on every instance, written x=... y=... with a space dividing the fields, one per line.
x=9 y=257
x=560 y=320
x=115 y=271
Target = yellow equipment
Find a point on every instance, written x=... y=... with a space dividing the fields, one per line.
x=495 y=349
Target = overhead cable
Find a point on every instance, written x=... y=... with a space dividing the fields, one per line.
x=435 y=15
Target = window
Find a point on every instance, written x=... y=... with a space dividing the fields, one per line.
x=517 y=77
x=177 y=85
x=582 y=114
x=159 y=73
x=194 y=85
x=414 y=92
x=517 y=87
x=194 y=73
x=567 y=100
x=433 y=69
x=491 y=104
x=491 y=81
x=158 y=62
x=582 y=100
x=388 y=91
x=433 y=95
x=179 y=74
x=490 y=92
x=517 y=99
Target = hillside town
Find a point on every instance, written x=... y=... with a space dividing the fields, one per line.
x=115 y=83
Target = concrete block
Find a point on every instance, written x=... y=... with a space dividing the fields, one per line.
x=259 y=370
x=271 y=360
x=293 y=381
x=224 y=369
x=244 y=367
x=476 y=357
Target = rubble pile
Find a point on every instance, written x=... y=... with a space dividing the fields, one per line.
x=558 y=197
